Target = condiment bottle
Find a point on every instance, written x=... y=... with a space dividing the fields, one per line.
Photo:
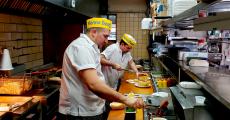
x=159 y=83
x=164 y=83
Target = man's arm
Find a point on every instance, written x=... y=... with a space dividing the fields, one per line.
x=106 y=62
x=132 y=65
x=90 y=78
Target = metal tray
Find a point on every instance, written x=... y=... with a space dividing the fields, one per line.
x=14 y=102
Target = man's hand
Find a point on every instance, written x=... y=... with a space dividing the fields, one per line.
x=134 y=102
x=137 y=74
x=116 y=66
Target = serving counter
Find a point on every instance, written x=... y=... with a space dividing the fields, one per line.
x=126 y=88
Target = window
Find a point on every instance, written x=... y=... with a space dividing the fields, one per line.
x=113 y=33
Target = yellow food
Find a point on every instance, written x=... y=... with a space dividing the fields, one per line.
x=131 y=95
x=117 y=105
x=143 y=78
x=135 y=80
x=143 y=74
x=55 y=78
x=144 y=83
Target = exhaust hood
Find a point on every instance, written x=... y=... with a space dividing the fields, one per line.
x=59 y=8
x=84 y=7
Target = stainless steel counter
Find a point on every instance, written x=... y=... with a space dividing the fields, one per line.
x=215 y=81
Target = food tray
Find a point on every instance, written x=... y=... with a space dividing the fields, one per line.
x=15 y=85
x=10 y=103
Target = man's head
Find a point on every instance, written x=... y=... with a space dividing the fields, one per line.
x=98 y=30
x=127 y=43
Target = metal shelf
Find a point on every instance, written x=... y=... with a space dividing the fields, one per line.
x=219 y=9
x=185 y=18
x=220 y=22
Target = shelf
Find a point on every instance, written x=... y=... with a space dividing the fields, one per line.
x=185 y=18
x=218 y=41
x=220 y=18
x=220 y=22
x=163 y=17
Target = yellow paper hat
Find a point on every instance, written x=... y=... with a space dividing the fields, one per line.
x=99 y=22
x=128 y=39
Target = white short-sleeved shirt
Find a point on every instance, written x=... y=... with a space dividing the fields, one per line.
x=75 y=98
x=113 y=53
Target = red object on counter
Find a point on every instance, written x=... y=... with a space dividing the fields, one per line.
x=45 y=71
x=171 y=82
x=162 y=109
x=164 y=104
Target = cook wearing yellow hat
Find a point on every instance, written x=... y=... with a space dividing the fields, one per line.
x=82 y=74
x=98 y=30
x=129 y=40
x=99 y=23
x=118 y=56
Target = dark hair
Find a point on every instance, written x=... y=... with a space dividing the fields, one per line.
x=122 y=41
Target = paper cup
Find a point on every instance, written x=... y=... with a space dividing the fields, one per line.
x=200 y=99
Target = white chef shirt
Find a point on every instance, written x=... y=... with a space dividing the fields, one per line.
x=75 y=98
x=113 y=53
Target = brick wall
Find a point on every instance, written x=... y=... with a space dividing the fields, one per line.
x=23 y=37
